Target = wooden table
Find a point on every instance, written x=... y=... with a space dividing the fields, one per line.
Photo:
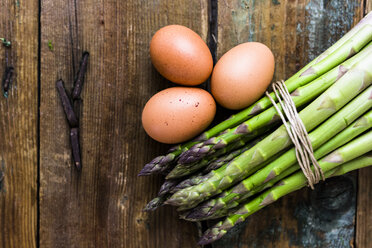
x=44 y=202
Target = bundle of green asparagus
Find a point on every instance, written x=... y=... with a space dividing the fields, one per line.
x=248 y=161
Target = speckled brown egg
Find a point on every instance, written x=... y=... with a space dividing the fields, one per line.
x=178 y=114
x=180 y=55
x=242 y=75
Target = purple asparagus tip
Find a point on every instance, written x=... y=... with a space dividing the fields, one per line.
x=195 y=215
x=216 y=232
x=209 y=237
x=154 y=204
x=157 y=165
x=148 y=168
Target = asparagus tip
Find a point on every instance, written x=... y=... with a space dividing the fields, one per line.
x=154 y=204
x=210 y=236
x=152 y=167
x=202 y=137
x=193 y=155
x=143 y=172
x=194 y=215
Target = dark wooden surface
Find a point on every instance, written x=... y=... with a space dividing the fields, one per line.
x=44 y=202
x=363 y=236
x=18 y=126
x=102 y=206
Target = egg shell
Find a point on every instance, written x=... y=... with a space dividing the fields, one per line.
x=242 y=75
x=180 y=55
x=178 y=114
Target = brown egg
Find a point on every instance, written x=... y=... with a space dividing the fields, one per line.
x=180 y=55
x=242 y=75
x=178 y=114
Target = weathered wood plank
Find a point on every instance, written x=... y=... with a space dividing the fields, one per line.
x=102 y=206
x=296 y=31
x=364 y=209
x=363 y=237
x=18 y=125
x=367 y=6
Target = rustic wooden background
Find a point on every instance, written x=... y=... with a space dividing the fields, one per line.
x=44 y=202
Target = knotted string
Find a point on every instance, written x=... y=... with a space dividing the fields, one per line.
x=297 y=133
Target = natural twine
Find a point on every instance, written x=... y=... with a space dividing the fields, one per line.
x=297 y=132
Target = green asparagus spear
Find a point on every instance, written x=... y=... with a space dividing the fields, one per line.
x=360 y=162
x=319 y=136
x=199 y=215
x=300 y=97
x=224 y=159
x=202 y=179
x=286 y=164
x=355 y=164
x=181 y=170
x=358 y=147
x=173 y=185
x=345 y=89
x=349 y=44
x=199 y=178
x=193 y=180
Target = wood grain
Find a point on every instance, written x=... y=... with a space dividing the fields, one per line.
x=364 y=209
x=296 y=31
x=18 y=126
x=363 y=237
x=367 y=6
x=102 y=206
